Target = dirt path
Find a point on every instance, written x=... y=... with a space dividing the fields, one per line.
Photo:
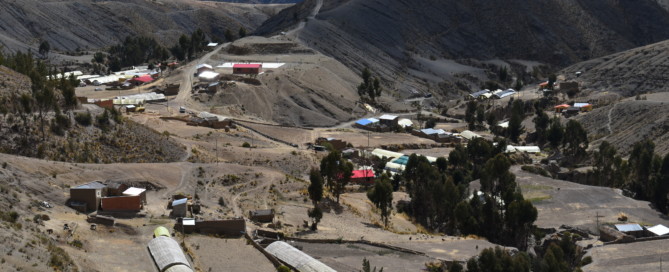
x=312 y=16
x=609 y=123
x=187 y=81
x=186 y=168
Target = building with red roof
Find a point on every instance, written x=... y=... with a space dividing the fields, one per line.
x=363 y=176
x=246 y=69
x=142 y=79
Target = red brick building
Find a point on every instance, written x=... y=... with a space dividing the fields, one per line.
x=246 y=69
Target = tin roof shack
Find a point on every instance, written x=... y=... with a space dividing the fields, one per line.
x=203 y=67
x=478 y=95
x=179 y=207
x=658 y=230
x=262 y=216
x=631 y=229
x=363 y=176
x=296 y=259
x=89 y=193
x=389 y=120
x=134 y=191
x=246 y=69
x=167 y=255
x=583 y=106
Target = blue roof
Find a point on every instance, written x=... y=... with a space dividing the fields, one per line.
x=402 y=160
x=363 y=122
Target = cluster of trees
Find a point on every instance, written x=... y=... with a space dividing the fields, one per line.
x=138 y=50
x=475 y=115
x=45 y=88
x=440 y=199
x=369 y=86
x=644 y=176
x=334 y=173
x=135 y=51
x=560 y=256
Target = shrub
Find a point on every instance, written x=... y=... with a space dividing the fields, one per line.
x=246 y=144
x=84 y=119
x=221 y=201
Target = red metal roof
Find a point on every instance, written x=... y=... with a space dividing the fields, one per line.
x=363 y=174
x=143 y=79
x=258 y=66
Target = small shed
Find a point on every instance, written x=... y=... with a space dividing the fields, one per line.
x=296 y=259
x=389 y=120
x=469 y=135
x=263 y=216
x=179 y=207
x=203 y=67
x=134 y=191
x=560 y=108
x=89 y=193
x=659 y=230
x=583 y=106
x=246 y=69
x=209 y=76
x=631 y=229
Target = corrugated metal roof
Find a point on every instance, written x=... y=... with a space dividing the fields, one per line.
x=179 y=201
x=479 y=93
x=405 y=123
x=388 y=117
x=208 y=75
x=167 y=253
x=659 y=230
x=296 y=258
x=385 y=153
x=179 y=268
x=91 y=185
x=134 y=191
x=363 y=122
x=469 y=135
x=629 y=227
x=580 y=105
x=373 y=120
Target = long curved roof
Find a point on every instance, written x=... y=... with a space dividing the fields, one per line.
x=167 y=253
x=296 y=258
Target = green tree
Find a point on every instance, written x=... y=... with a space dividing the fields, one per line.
x=242 y=32
x=555 y=133
x=99 y=57
x=641 y=165
x=515 y=126
x=337 y=172
x=382 y=197
x=575 y=139
x=541 y=123
x=228 y=35
x=470 y=114
x=316 y=215
x=316 y=187
x=44 y=49
x=497 y=180
x=442 y=164
x=662 y=186
x=520 y=217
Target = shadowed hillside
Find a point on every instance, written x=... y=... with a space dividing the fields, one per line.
x=397 y=37
x=69 y=25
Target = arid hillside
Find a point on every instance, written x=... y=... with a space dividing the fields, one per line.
x=628 y=73
x=409 y=38
x=87 y=24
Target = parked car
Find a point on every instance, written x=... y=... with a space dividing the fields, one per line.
x=182 y=109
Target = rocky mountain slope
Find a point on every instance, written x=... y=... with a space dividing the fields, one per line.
x=69 y=25
x=629 y=121
x=628 y=73
x=414 y=40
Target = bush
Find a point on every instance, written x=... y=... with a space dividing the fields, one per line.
x=221 y=201
x=246 y=144
x=84 y=119
x=283 y=268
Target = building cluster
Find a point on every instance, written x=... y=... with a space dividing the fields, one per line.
x=487 y=94
x=574 y=109
x=630 y=232
x=383 y=123
x=111 y=197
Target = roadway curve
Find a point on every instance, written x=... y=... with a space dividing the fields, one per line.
x=312 y=16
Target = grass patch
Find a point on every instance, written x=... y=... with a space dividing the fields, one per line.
x=539 y=198
x=533 y=187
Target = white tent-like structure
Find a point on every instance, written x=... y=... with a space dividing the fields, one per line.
x=385 y=153
x=168 y=255
x=295 y=258
x=526 y=149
